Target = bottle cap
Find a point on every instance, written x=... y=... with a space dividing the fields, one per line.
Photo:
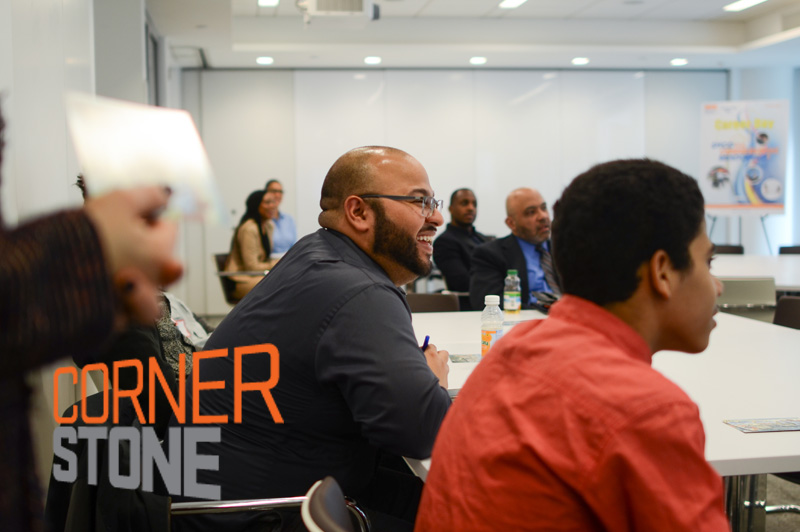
x=491 y=300
x=511 y=272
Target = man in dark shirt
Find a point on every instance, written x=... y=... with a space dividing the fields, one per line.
x=453 y=248
x=353 y=382
x=526 y=249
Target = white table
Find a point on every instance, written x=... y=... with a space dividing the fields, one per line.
x=785 y=269
x=749 y=370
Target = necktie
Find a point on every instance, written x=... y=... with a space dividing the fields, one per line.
x=546 y=260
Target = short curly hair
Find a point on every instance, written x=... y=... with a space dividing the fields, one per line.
x=614 y=217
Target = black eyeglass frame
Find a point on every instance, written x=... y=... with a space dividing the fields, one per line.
x=427 y=202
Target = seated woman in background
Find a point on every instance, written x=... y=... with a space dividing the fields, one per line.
x=285 y=234
x=250 y=246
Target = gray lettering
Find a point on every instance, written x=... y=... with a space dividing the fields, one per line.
x=115 y=476
x=153 y=454
x=70 y=474
x=193 y=461
x=91 y=435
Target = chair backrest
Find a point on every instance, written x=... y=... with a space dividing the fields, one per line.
x=325 y=509
x=789 y=250
x=728 y=249
x=747 y=292
x=787 y=312
x=432 y=302
x=749 y=297
x=228 y=284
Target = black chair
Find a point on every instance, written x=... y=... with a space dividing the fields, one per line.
x=325 y=508
x=330 y=509
x=228 y=284
x=728 y=249
x=787 y=312
x=789 y=250
x=432 y=302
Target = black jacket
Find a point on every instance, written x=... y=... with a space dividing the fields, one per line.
x=452 y=252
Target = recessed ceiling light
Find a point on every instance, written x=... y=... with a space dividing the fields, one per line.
x=372 y=60
x=265 y=60
x=679 y=61
x=580 y=60
x=511 y=4
x=268 y=3
x=741 y=5
x=477 y=60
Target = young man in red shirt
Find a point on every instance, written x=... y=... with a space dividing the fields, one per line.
x=565 y=425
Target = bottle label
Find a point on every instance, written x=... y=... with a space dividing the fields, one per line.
x=512 y=302
x=488 y=339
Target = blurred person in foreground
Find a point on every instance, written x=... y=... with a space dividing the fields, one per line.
x=252 y=242
x=67 y=282
x=565 y=425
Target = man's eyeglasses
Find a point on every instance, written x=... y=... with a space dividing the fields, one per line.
x=429 y=203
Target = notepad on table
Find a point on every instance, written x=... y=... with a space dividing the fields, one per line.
x=775 y=424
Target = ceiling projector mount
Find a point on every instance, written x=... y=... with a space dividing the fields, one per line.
x=365 y=9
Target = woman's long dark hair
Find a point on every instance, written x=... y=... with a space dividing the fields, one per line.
x=251 y=213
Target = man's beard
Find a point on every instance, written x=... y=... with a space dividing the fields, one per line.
x=391 y=242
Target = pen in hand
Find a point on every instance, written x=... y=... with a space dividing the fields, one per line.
x=425 y=343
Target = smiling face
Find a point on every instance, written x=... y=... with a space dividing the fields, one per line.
x=268 y=207
x=403 y=238
x=690 y=316
x=276 y=189
x=528 y=218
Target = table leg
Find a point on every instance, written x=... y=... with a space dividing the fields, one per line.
x=745 y=501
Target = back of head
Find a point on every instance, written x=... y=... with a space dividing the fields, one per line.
x=352 y=174
x=614 y=217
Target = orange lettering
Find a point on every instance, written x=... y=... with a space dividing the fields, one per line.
x=197 y=386
x=263 y=387
x=56 y=415
x=84 y=376
x=133 y=394
x=155 y=371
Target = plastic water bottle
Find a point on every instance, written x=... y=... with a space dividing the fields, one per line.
x=491 y=323
x=512 y=301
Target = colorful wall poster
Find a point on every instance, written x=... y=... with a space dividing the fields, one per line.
x=743 y=158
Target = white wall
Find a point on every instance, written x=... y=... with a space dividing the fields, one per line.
x=120 y=49
x=673 y=122
x=246 y=119
x=489 y=130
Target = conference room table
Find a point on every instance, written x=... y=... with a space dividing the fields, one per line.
x=785 y=269
x=749 y=370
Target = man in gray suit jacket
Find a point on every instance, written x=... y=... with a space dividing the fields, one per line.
x=526 y=249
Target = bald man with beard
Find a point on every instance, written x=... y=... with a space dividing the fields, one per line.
x=354 y=384
x=526 y=249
